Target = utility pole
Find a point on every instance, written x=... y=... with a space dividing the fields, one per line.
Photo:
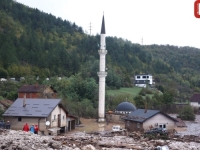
x=90 y=28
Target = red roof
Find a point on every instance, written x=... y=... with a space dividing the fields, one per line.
x=195 y=98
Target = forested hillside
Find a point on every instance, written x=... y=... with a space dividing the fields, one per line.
x=36 y=44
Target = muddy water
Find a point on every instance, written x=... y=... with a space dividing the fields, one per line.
x=91 y=125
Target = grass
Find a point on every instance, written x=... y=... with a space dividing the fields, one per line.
x=132 y=91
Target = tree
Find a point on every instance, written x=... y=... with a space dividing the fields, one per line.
x=3 y=73
x=187 y=113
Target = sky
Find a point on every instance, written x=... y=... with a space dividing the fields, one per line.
x=145 y=22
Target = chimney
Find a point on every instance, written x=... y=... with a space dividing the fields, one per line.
x=24 y=101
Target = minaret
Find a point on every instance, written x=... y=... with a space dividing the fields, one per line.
x=102 y=73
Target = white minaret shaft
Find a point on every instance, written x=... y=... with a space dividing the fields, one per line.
x=102 y=73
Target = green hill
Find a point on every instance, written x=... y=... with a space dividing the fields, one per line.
x=134 y=91
x=34 y=43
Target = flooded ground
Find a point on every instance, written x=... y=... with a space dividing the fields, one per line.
x=91 y=125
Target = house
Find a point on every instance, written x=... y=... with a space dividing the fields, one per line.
x=142 y=80
x=49 y=114
x=5 y=104
x=195 y=100
x=37 y=91
x=145 y=119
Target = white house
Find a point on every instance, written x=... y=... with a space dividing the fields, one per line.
x=49 y=114
x=142 y=80
x=195 y=100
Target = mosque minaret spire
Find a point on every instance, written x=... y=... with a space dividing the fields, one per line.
x=102 y=73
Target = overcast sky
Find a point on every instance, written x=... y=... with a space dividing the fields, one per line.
x=155 y=21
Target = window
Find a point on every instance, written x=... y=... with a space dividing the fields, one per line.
x=54 y=117
x=138 y=77
x=63 y=117
x=147 y=76
x=138 y=125
x=19 y=119
x=144 y=77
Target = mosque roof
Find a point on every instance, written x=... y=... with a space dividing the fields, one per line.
x=126 y=106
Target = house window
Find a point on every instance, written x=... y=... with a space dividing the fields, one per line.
x=199 y=103
x=144 y=77
x=147 y=76
x=19 y=119
x=138 y=125
x=63 y=117
x=138 y=77
x=54 y=117
x=162 y=125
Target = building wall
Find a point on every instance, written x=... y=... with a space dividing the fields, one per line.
x=159 y=119
x=142 y=80
x=133 y=126
x=49 y=92
x=144 y=77
x=114 y=118
x=153 y=122
x=141 y=85
x=16 y=124
x=195 y=104
x=30 y=95
x=54 y=117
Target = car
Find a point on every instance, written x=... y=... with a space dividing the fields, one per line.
x=162 y=131
x=117 y=128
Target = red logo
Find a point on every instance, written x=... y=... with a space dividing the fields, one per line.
x=196 y=9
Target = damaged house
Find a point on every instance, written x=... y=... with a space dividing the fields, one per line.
x=145 y=119
x=49 y=114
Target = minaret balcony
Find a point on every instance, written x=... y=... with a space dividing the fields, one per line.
x=102 y=51
x=102 y=74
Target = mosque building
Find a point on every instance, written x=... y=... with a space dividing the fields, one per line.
x=121 y=111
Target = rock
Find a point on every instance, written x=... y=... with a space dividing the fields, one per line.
x=88 y=147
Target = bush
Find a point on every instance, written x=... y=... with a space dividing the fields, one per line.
x=187 y=113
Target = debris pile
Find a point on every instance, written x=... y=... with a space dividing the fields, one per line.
x=20 y=140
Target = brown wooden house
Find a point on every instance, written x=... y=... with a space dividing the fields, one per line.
x=5 y=104
x=36 y=91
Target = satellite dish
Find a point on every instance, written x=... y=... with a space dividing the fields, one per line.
x=47 y=123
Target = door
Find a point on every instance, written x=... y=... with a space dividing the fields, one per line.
x=59 y=120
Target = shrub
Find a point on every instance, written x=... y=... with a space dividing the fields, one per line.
x=187 y=113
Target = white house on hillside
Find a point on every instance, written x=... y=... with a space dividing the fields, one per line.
x=195 y=100
x=142 y=80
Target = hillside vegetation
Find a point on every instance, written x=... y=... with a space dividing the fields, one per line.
x=36 y=44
